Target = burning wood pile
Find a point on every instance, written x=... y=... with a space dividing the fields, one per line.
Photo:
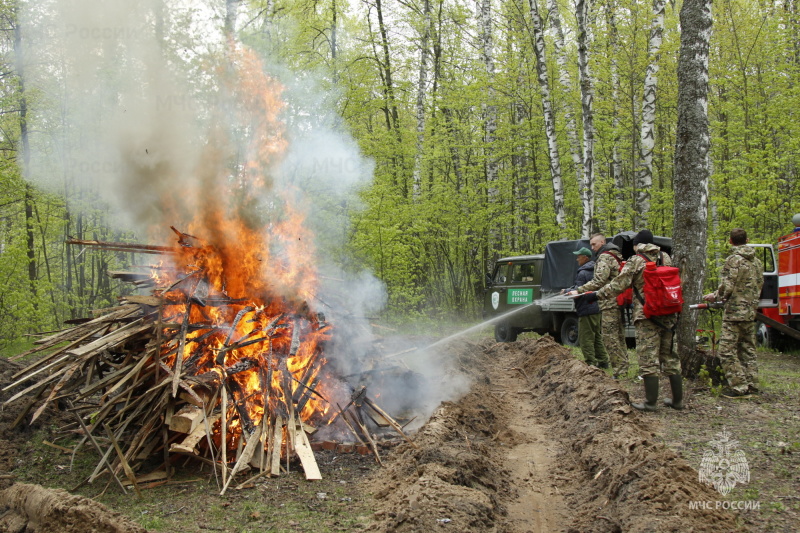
x=212 y=364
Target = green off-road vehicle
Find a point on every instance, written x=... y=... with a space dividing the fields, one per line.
x=523 y=292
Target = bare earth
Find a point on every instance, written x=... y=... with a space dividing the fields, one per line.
x=541 y=442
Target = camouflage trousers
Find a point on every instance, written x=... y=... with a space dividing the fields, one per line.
x=590 y=339
x=737 y=352
x=614 y=340
x=654 y=347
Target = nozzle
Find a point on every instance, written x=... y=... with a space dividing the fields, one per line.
x=709 y=305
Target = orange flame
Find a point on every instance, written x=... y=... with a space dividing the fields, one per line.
x=242 y=279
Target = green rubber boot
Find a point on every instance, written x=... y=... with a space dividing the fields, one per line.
x=676 y=384
x=650 y=394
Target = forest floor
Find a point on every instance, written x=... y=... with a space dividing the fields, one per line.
x=541 y=442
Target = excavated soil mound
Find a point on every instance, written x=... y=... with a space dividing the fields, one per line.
x=622 y=479
x=609 y=473
x=32 y=509
x=450 y=474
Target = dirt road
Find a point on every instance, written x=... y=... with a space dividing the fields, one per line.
x=542 y=442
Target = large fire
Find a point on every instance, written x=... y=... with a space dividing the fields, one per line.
x=236 y=294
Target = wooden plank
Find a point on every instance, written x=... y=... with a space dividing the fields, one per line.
x=125 y=466
x=389 y=419
x=306 y=455
x=103 y=320
x=277 y=439
x=125 y=246
x=176 y=376
x=189 y=443
x=143 y=299
x=252 y=442
x=186 y=419
x=156 y=475
x=112 y=339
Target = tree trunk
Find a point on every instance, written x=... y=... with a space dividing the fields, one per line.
x=231 y=8
x=644 y=177
x=334 y=45
x=569 y=112
x=692 y=166
x=549 y=116
x=616 y=159
x=587 y=97
x=390 y=107
x=24 y=153
x=422 y=81
x=489 y=116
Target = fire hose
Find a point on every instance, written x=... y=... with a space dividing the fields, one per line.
x=708 y=305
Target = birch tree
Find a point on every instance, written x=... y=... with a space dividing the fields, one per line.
x=565 y=81
x=549 y=115
x=644 y=176
x=616 y=159
x=587 y=97
x=489 y=107
x=422 y=81
x=692 y=163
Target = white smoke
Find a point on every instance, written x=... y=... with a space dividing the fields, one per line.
x=134 y=105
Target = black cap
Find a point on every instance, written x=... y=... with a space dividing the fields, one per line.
x=643 y=237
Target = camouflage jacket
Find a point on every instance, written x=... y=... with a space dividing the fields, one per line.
x=606 y=268
x=632 y=274
x=740 y=284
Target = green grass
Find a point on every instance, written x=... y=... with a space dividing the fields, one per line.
x=16 y=347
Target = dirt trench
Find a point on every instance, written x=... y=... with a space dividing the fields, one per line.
x=541 y=443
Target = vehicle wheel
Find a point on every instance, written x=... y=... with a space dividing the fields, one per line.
x=569 y=331
x=763 y=336
x=505 y=333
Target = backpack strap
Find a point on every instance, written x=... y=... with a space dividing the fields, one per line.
x=614 y=256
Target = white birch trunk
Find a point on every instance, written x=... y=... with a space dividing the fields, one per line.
x=644 y=176
x=566 y=83
x=616 y=159
x=231 y=10
x=582 y=8
x=692 y=166
x=489 y=109
x=549 y=116
x=422 y=81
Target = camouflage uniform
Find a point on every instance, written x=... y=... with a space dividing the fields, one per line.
x=740 y=289
x=653 y=342
x=606 y=268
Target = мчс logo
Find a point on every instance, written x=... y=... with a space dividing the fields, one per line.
x=726 y=466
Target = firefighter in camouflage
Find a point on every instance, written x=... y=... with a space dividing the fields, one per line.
x=606 y=268
x=653 y=336
x=740 y=288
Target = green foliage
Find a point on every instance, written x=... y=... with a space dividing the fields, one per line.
x=705 y=377
x=431 y=242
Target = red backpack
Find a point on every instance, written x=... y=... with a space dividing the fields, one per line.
x=626 y=296
x=663 y=294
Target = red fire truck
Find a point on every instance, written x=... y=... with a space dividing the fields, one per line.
x=779 y=309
